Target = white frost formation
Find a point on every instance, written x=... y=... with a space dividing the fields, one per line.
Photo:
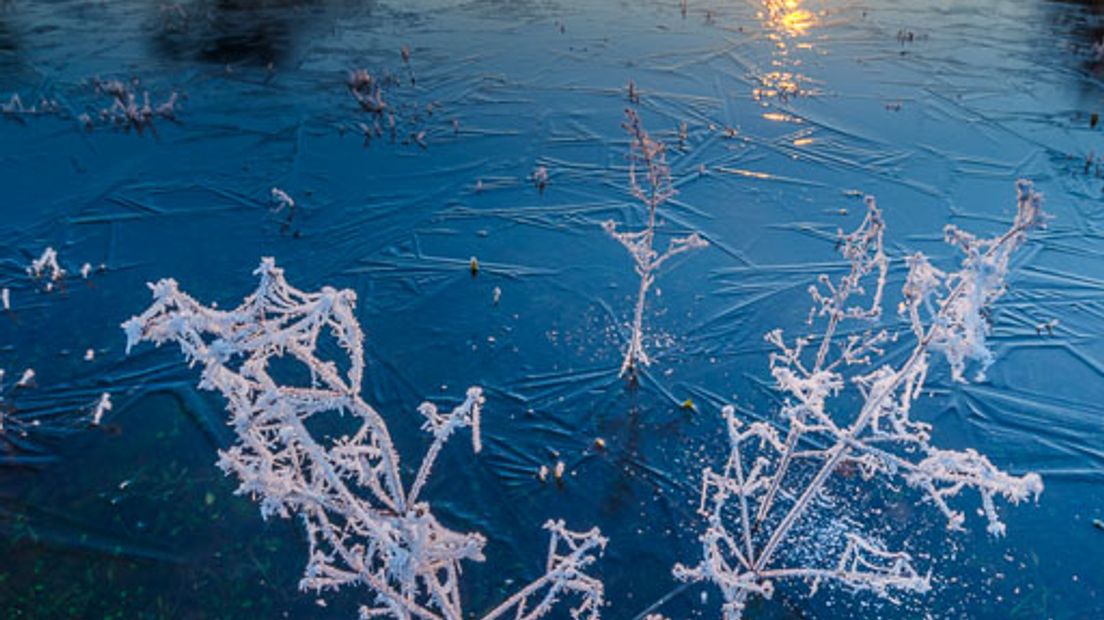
x=769 y=483
x=651 y=156
x=364 y=525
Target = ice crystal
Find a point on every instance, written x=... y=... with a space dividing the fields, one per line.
x=650 y=156
x=769 y=483
x=364 y=525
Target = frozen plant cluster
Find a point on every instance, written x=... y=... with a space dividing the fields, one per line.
x=128 y=110
x=647 y=157
x=15 y=107
x=772 y=482
x=45 y=267
x=364 y=524
x=385 y=119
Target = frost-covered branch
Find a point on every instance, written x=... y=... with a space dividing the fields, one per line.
x=771 y=485
x=650 y=157
x=569 y=554
x=363 y=524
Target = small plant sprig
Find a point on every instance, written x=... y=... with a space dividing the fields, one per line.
x=771 y=486
x=365 y=526
x=650 y=156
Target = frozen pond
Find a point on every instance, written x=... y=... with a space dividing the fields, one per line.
x=778 y=115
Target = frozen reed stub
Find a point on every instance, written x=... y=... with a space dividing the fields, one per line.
x=27 y=379
x=281 y=200
x=650 y=157
x=103 y=405
x=404 y=51
x=540 y=178
x=365 y=525
x=772 y=482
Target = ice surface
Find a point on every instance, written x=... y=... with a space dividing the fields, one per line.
x=779 y=116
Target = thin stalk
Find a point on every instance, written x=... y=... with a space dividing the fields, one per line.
x=872 y=404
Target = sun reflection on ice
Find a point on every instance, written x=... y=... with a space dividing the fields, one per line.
x=787 y=23
x=791 y=17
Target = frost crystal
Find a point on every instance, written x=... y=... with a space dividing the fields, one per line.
x=651 y=156
x=758 y=502
x=364 y=525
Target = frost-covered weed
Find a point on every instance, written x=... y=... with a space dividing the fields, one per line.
x=364 y=524
x=650 y=157
x=771 y=484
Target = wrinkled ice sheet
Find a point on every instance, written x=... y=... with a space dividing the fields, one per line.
x=792 y=113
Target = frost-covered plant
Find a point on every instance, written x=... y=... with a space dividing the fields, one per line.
x=15 y=107
x=8 y=418
x=650 y=157
x=758 y=504
x=281 y=200
x=45 y=267
x=369 y=91
x=127 y=109
x=364 y=524
x=103 y=405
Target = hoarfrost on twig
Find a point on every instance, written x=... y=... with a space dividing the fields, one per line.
x=364 y=525
x=647 y=155
x=769 y=483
